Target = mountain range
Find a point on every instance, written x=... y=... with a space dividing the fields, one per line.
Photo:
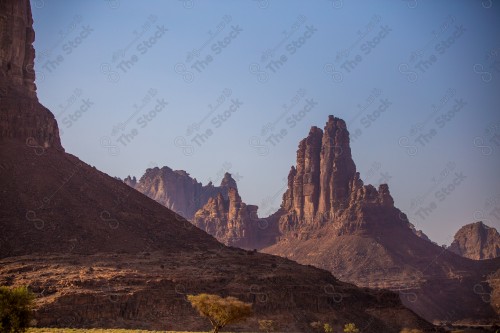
x=98 y=253
x=330 y=219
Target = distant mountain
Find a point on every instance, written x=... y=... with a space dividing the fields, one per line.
x=99 y=254
x=476 y=241
x=235 y=223
x=218 y=210
x=330 y=219
x=177 y=190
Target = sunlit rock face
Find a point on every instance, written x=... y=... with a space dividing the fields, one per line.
x=476 y=241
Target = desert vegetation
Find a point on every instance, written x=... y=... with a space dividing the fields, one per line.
x=15 y=309
x=220 y=311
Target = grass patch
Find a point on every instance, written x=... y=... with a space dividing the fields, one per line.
x=97 y=330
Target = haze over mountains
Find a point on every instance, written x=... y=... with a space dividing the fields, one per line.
x=99 y=254
x=177 y=190
x=356 y=99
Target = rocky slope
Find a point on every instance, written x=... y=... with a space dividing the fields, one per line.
x=100 y=254
x=476 y=241
x=147 y=290
x=177 y=190
x=235 y=223
x=330 y=219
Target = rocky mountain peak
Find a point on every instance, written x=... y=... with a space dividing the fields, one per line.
x=330 y=219
x=337 y=167
x=130 y=181
x=235 y=223
x=476 y=241
x=228 y=181
x=324 y=185
x=177 y=190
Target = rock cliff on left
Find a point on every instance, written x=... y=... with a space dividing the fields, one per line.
x=22 y=117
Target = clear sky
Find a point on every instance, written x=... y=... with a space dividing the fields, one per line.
x=215 y=86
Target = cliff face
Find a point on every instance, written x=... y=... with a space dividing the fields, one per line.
x=17 y=54
x=324 y=187
x=22 y=117
x=476 y=241
x=235 y=223
x=177 y=190
x=330 y=219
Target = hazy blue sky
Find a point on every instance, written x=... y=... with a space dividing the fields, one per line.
x=136 y=84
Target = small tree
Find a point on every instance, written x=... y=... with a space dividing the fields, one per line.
x=350 y=328
x=220 y=311
x=328 y=328
x=16 y=305
x=267 y=325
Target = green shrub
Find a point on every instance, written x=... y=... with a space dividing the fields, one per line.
x=16 y=305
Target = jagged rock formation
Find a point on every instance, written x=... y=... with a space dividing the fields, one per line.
x=177 y=190
x=234 y=223
x=476 y=241
x=330 y=219
x=100 y=254
x=228 y=182
x=325 y=187
x=130 y=181
x=218 y=210
x=22 y=117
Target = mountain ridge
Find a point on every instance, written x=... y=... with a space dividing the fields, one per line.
x=99 y=254
x=330 y=219
x=177 y=190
